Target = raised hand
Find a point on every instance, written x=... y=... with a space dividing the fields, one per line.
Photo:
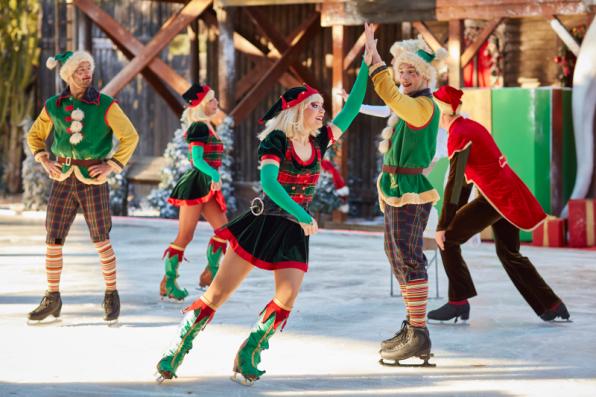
x=343 y=94
x=371 y=55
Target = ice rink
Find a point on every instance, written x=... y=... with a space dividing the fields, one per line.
x=329 y=346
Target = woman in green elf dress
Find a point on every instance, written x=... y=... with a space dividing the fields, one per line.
x=274 y=234
x=197 y=192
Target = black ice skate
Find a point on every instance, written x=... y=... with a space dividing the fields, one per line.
x=51 y=304
x=415 y=343
x=111 y=306
x=393 y=341
x=559 y=310
x=449 y=311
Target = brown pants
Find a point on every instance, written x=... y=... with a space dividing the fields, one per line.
x=473 y=218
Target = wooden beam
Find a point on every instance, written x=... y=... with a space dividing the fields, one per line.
x=262 y=60
x=564 y=34
x=455 y=46
x=130 y=47
x=356 y=49
x=473 y=48
x=268 y=79
x=169 y=30
x=248 y=81
x=491 y=9
x=427 y=35
x=281 y=44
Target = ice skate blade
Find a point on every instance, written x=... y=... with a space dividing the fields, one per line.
x=460 y=322
x=241 y=379
x=45 y=322
x=396 y=363
x=169 y=299
x=159 y=378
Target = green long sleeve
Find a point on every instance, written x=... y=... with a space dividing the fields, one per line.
x=200 y=163
x=277 y=193
x=352 y=107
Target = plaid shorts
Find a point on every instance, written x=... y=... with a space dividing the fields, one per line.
x=404 y=241
x=65 y=199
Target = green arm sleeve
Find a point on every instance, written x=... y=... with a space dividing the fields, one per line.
x=201 y=164
x=352 y=107
x=276 y=192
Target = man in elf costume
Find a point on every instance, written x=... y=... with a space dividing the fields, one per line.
x=84 y=123
x=405 y=195
x=504 y=203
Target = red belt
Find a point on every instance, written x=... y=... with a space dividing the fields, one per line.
x=399 y=170
x=82 y=163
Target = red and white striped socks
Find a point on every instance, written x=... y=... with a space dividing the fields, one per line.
x=53 y=266
x=108 y=264
x=416 y=299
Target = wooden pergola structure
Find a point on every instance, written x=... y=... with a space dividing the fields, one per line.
x=239 y=95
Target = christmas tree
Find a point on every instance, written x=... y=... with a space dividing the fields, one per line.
x=325 y=199
x=36 y=183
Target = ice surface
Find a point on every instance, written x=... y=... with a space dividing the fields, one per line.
x=329 y=346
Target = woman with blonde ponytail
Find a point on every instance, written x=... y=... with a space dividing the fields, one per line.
x=274 y=234
x=197 y=192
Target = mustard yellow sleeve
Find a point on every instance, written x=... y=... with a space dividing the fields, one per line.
x=38 y=134
x=414 y=111
x=126 y=134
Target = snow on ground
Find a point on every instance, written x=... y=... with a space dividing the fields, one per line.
x=329 y=347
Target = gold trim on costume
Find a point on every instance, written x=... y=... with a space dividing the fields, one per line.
x=430 y=196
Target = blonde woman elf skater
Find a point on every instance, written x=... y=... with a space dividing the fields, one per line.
x=197 y=192
x=274 y=234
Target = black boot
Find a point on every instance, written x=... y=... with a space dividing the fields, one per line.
x=111 y=305
x=449 y=311
x=559 y=310
x=51 y=303
x=393 y=341
x=415 y=343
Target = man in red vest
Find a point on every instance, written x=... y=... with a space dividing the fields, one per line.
x=504 y=203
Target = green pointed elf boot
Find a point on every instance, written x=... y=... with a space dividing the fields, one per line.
x=198 y=315
x=215 y=251
x=246 y=369
x=173 y=256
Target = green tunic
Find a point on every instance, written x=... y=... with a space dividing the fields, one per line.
x=410 y=147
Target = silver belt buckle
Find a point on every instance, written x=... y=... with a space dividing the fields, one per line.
x=257 y=206
x=68 y=161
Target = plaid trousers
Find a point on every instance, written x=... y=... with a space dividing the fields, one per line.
x=65 y=199
x=404 y=240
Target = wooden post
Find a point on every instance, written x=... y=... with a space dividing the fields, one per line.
x=84 y=32
x=226 y=55
x=455 y=46
x=338 y=33
x=406 y=30
x=193 y=35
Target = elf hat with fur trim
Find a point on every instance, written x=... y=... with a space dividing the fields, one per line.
x=288 y=99
x=69 y=62
x=448 y=99
x=416 y=53
x=198 y=93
